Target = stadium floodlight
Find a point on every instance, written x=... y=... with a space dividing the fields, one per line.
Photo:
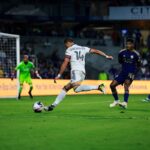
x=10 y=55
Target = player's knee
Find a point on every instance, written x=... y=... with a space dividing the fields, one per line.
x=76 y=89
x=68 y=87
x=65 y=88
x=112 y=86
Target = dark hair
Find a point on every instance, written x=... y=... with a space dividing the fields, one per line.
x=68 y=40
x=130 y=40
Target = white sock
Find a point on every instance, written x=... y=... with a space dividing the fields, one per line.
x=59 y=98
x=86 y=88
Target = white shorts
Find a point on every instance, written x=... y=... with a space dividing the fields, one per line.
x=77 y=76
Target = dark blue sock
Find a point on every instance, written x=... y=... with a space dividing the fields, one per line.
x=126 y=96
x=115 y=96
x=149 y=96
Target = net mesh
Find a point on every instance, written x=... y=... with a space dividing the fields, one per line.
x=8 y=59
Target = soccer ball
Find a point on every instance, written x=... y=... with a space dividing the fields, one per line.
x=38 y=107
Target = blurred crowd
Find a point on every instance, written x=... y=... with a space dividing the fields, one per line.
x=55 y=27
x=48 y=65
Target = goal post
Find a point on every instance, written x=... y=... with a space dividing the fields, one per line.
x=9 y=59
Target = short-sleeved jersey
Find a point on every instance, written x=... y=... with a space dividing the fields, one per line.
x=129 y=60
x=25 y=69
x=77 y=54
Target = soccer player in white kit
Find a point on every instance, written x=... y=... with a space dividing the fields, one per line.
x=75 y=55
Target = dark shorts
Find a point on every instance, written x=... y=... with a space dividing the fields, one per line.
x=124 y=76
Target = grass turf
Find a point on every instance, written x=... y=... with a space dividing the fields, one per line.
x=79 y=122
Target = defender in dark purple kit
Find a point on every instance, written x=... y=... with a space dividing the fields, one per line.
x=129 y=58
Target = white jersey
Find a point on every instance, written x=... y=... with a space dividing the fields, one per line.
x=77 y=54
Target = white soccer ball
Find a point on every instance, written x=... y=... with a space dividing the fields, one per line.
x=38 y=107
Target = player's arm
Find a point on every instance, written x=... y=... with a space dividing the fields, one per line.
x=63 y=67
x=98 y=52
x=37 y=74
x=120 y=58
x=35 y=71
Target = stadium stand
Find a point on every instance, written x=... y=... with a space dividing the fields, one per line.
x=50 y=24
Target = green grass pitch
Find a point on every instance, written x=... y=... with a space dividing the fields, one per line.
x=82 y=122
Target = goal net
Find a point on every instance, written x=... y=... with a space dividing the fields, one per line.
x=9 y=58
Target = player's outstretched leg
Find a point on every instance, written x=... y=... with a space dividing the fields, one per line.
x=127 y=84
x=30 y=90
x=113 y=86
x=147 y=99
x=20 y=90
x=82 y=88
x=60 y=97
x=77 y=88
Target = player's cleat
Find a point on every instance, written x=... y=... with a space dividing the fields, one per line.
x=49 y=108
x=30 y=94
x=146 y=100
x=102 y=88
x=123 y=105
x=115 y=103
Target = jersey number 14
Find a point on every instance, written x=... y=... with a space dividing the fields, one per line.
x=79 y=56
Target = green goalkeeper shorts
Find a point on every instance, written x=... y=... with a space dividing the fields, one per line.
x=27 y=80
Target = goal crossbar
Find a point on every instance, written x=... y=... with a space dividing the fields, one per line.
x=9 y=35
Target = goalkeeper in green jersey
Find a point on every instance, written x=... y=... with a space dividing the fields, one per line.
x=25 y=67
